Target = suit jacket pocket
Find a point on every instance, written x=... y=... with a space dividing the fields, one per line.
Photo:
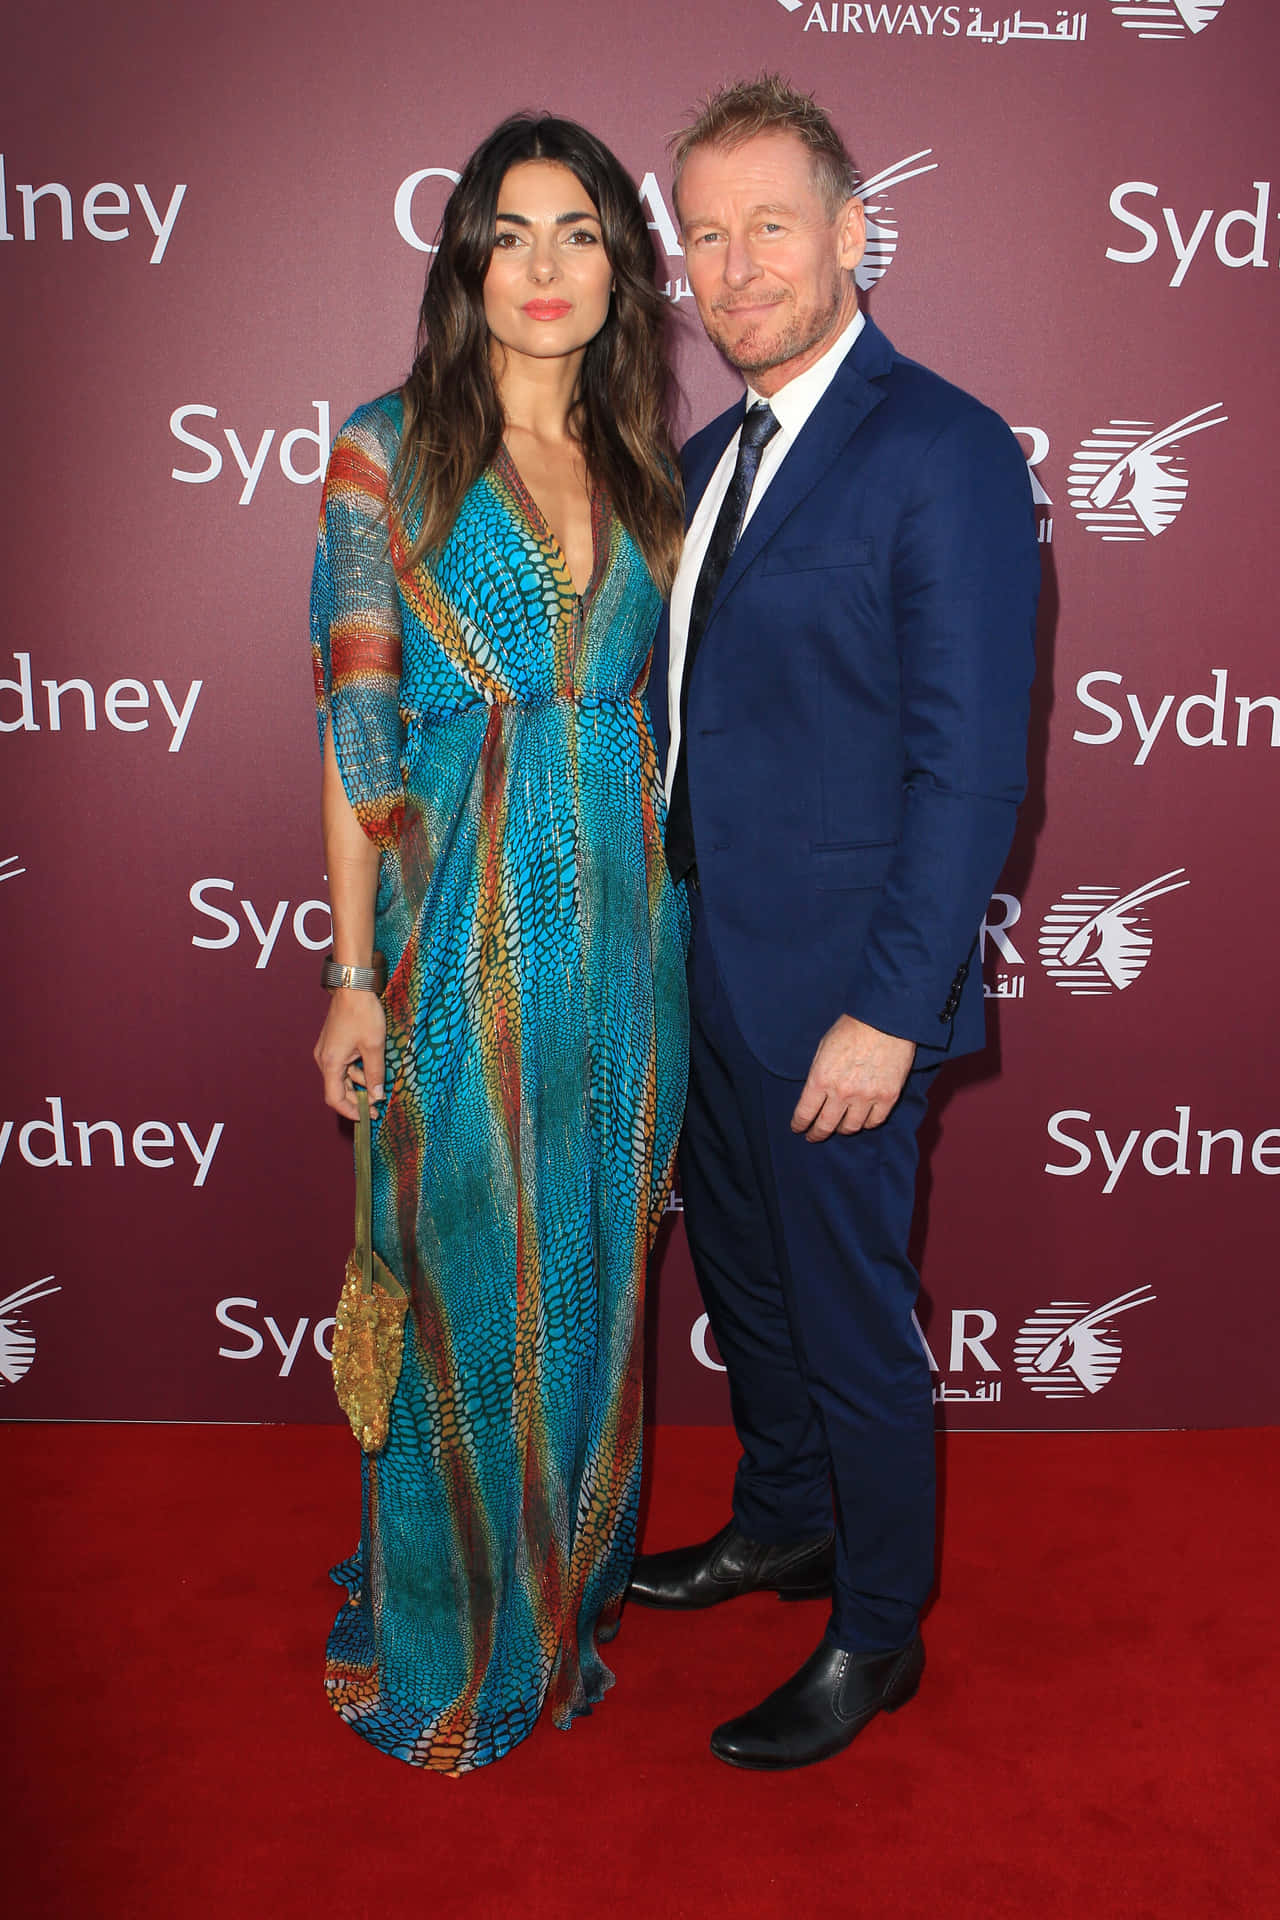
x=841 y=865
x=779 y=558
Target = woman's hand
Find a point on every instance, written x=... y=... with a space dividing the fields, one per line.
x=351 y=1050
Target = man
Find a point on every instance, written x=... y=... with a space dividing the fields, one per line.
x=847 y=667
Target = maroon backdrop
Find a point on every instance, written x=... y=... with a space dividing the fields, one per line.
x=212 y=239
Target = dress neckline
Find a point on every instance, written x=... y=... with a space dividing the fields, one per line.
x=600 y=508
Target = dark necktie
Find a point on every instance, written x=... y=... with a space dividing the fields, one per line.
x=758 y=428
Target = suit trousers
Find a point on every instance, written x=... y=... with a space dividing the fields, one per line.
x=800 y=1249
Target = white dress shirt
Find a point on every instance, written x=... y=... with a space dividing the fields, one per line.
x=791 y=406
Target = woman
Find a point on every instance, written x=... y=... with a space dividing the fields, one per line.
x=494 y=540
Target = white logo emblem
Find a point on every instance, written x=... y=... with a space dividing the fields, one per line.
x=882 y=224
x=1166 y=19
x=8 y=871
x=1069 y=1349
x=1097 y=940
x=1042 y=500
x=699 y=1334
x=17 y=1342
x=1129 y=479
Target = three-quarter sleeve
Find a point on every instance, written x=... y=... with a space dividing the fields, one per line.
x=355 y=623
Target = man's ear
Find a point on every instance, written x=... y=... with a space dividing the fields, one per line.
x=852 y=227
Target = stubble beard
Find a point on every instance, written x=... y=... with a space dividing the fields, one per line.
x=802 y=332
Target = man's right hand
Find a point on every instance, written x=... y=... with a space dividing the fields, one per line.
x=854 y=1082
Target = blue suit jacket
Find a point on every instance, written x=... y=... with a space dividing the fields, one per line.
x=858 y=712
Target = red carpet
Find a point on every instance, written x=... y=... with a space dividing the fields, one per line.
x=1096 y=1734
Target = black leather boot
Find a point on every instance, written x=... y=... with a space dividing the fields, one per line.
x=729 y=1565
x=822 y=1709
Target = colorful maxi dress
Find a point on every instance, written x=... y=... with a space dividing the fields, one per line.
x=493 y=741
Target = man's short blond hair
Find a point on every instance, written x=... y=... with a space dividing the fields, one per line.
x=770 y=104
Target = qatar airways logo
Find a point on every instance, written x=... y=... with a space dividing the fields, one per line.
x=702 y=1346
x=1129 y=478
x=1069 y=1349
x=941 y=22
x=1097 y=941
x=1094 y=941
x=419 y=203
x=876 y=193
x=1065 y=1351
x=856 y=16
x=420 y=198
x=1166 y=19
x=1036 y=451
x=9 y=868
x=17 y=1337
x=1127 y=481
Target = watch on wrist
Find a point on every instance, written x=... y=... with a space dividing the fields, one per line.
x=333 y=974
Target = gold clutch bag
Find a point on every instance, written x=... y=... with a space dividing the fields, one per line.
x=368 y=1333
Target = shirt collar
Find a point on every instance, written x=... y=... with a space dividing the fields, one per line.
x=793 y=403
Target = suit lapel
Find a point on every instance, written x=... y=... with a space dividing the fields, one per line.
x=853 y=394
x=697 y=475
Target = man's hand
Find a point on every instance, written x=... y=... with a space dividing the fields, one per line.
x=854 y=1082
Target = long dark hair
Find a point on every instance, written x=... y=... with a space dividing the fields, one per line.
x=453 y=422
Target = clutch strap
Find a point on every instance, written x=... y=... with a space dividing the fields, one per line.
x=364 y=1191
x=364 y=1210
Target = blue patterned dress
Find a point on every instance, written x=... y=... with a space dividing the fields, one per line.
x=493 y=740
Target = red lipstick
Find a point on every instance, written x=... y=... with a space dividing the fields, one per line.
x=547 y=309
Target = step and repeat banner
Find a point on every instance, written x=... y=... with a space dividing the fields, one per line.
x=214 y=225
